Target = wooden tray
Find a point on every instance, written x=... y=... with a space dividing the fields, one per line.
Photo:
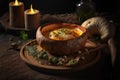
x=46 y=18
x=90 y=60
x=4 y=20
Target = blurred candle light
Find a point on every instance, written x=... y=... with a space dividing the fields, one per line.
x=16 y=3
x=32 y=18
x=16 y=14
x=31 y=10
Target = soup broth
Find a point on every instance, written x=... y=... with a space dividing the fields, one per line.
x=65 y=33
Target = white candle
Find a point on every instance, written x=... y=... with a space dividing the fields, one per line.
x=16 y=14
x=32 y=19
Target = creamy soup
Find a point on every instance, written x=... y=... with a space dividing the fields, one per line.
x=65 y=33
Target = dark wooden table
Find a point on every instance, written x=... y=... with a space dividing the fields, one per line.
x=12 y=67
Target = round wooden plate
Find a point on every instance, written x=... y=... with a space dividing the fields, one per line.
x=89 y=60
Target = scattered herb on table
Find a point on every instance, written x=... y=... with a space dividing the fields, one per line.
x=16 y=45
x=23 y=35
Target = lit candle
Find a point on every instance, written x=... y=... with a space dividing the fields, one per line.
x=16 y=13
x=32 y=19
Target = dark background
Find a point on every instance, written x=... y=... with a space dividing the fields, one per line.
x=63 y=6
x=111 y=7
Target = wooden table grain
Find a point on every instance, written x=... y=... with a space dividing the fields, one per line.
x=12 y=67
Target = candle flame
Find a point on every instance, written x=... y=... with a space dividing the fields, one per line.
x=31 y=9
x=16 y=2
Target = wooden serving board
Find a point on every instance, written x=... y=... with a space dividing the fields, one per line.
x=4 y=20
x=90 y=59
x=46 y=18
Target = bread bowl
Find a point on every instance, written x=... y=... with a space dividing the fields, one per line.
x=60 y=47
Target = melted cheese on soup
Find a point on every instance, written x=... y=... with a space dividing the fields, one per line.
x=65 y=33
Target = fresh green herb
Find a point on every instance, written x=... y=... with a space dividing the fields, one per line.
x=23 y=35
x=42 y=54
x=72 y=62
x=32 y=50
x=62 y=30
x=53 y=60
x=60 y=63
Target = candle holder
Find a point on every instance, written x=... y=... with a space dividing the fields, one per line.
x=32 y=20
x=16 y=14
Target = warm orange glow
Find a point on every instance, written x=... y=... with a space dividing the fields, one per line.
x=31 y=10
x=65 y=33
x=16 y=2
